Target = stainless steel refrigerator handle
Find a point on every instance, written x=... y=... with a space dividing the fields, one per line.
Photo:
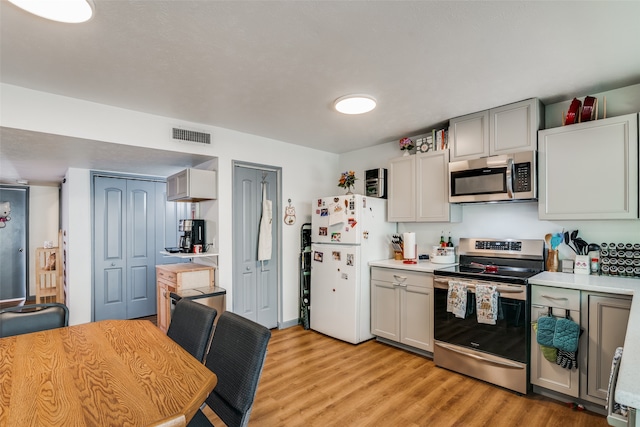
x=484 y=359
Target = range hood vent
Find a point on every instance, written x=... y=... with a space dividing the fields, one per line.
x=191 y=136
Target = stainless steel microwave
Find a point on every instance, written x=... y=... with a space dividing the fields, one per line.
x=508 y=177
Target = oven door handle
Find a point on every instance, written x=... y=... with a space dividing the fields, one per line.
x=484 y=359
x=444 y=284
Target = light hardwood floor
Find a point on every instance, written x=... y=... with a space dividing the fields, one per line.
x=313 y=380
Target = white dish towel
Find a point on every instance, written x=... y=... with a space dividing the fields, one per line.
x=457 y=299
x=486 y=304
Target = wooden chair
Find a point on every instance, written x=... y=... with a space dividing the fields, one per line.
x=237 y=355
x=32 y=318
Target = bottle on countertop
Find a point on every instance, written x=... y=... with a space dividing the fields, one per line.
x=449 y=243
x=443 y=244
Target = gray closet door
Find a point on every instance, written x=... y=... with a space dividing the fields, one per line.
x=255 y=287
x=14 y=203
x=124 y=255
x=141 y=248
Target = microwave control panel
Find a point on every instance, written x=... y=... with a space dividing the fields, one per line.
x=522 y=178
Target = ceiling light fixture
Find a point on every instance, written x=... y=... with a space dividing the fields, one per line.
x=68 y=11
x=355 y=104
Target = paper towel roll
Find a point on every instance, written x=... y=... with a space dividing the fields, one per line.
x=409 y=242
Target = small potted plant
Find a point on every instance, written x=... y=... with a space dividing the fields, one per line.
x=347 y=180
x=406 y=144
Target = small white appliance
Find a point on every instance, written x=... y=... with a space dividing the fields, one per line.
x=346 y=233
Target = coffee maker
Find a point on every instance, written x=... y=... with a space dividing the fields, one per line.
x=192 y=233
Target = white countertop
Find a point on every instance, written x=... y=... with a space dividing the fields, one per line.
x=424 y=266
x=628 y=387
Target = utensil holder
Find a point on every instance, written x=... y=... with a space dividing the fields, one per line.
x=582 y=265
x=552 y=260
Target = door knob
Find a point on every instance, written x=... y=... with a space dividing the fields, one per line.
x=21 y=250
x=113 y=264
x=248 y=268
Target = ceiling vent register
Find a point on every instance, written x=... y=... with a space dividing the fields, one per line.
x=191 y=136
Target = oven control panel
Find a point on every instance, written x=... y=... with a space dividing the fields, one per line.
x=498 y=245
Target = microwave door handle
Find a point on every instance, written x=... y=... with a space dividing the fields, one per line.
x=510 y=178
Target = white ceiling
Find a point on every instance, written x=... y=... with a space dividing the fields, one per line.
x=274 y=68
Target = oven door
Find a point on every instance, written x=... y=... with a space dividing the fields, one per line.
x=508 y=338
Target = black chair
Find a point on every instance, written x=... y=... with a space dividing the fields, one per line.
x=191 y=326
x=237 y=355
x=32 y=318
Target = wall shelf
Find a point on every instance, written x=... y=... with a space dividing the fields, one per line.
x=186 y=255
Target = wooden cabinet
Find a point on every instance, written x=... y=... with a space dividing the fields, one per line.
x=192 y=185
x=163 y=317
x=402 y=307
x=606 y=317
x=419 y=189
x=507 y=129
x=589 y=170
x=176 y=278
x=545 y=373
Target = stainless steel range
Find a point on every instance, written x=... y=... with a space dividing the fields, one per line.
x=497 y=353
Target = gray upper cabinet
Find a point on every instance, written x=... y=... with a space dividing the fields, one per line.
x=419 y=189
x=589 y=170
x=508 y=129
x=469 y=136
x=192 y=185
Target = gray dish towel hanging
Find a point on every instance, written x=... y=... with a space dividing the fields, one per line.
x=264 y=236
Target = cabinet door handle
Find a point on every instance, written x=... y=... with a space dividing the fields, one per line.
x=555 y=298
x=400 y=278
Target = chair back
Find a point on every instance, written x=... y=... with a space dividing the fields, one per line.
x=237 y=355
x=191 y=326
x=32 y=318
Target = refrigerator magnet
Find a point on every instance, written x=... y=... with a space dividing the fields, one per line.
x=349 y=259
x=335 y=237
x=324 y=212
x=352 y=222
x=322 y=231
x=345 y=276
x=365 y=234
x=317 y=256
x=319 y=202
x=336 y=255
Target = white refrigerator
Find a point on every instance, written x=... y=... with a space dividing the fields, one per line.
x=346 y=233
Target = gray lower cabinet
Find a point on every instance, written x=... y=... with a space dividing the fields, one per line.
x=606 y=316
x=402 y=307
x=603 y=318
x=546 y=373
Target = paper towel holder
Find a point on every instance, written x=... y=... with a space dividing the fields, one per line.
x=410 y=247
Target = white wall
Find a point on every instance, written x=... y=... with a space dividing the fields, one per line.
x=306 y=174
x=44 y=219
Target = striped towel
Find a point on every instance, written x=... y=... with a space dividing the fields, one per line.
x=486 y=304
x=457 y=299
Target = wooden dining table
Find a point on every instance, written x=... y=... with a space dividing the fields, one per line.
x=106 y=373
